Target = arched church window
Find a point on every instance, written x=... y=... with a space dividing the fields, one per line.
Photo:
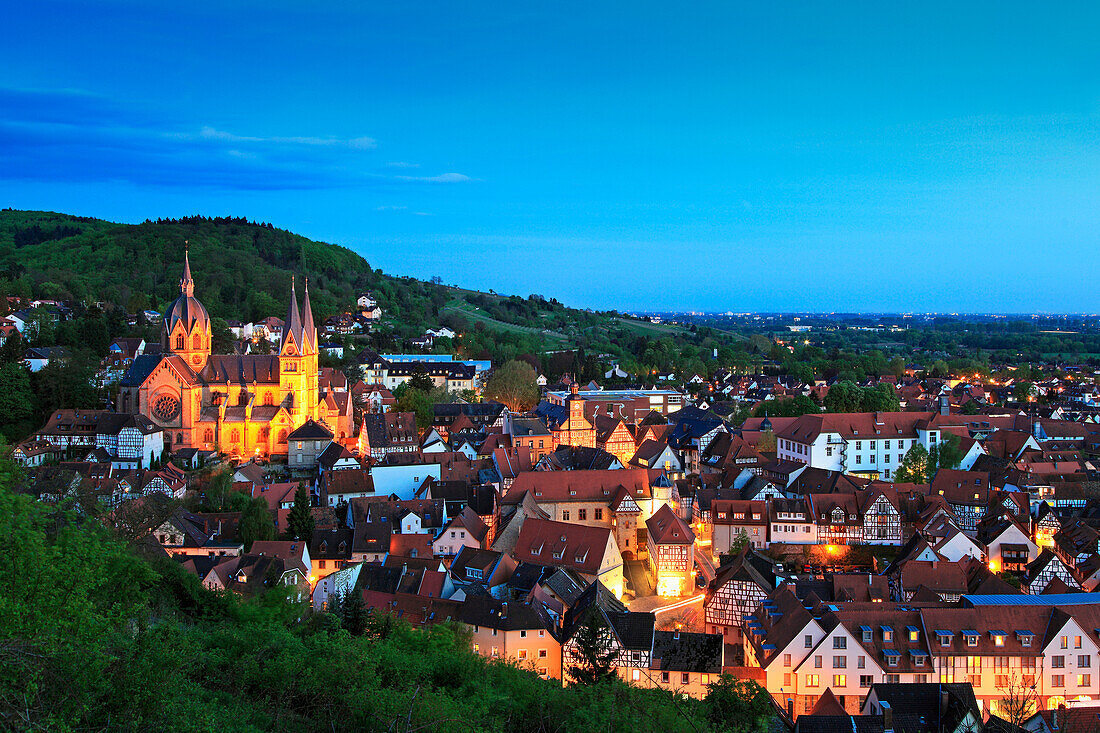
x=208 y=436
x=179 y=439
x=282 y=436
x=179 y=343
x=196 y=341
x=269 y=398
x=235 y=436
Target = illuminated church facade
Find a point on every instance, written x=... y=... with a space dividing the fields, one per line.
x=239 y=404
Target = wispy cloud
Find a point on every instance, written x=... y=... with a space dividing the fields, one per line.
x=358 y=143
x=441 y=178
x=74 y=136
x=402 y=164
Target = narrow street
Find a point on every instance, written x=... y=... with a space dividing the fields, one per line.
x=637 y=579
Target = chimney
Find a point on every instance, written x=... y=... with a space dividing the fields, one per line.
x=1036 y=429
x=887 y=718
x=504 y=610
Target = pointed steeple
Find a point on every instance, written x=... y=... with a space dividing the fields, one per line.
x=309 y=328
x=187 y=285
x=293 y=325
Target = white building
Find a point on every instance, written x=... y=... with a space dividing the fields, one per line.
x=869 y=444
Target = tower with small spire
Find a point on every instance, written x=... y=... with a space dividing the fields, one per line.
x=298 y=360
x=186 y=332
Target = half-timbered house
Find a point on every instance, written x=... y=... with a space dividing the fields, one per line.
x=671 y=545
x=881 y=519
x=1044 y=569
x=738 y=588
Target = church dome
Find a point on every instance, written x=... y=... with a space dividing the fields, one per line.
x=190 y=311
x=186 y=309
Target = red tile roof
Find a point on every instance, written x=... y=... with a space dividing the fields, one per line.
x=666 y=528
x=561 y=544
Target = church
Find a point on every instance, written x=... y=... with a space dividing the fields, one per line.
x=243 y=405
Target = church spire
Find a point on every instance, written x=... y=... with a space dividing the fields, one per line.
x=187 y=285
x=309 y=328
x=293 y=325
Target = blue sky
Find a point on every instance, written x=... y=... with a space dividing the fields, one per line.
x=707 y=156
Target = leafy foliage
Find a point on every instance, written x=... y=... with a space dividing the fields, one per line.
x=256 y=523
x=597 y=656
x=92 y=637
x=514 y=385
x=300 y=521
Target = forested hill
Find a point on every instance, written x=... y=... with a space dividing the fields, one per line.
x=243 y=269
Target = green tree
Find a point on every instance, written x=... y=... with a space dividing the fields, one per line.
x=803 y=372
x=733 y=704
x=947 y=453
x=300 y=522
x=844 y=397
x=1023 y=390
x=914 y=467
x=787 y=407
x=416 y=401
x=421 y=381
x=353 y=613
x=597 y=656
x=15 y=401
x=880 y=398
x=255 y=523
x=222 y=340
x=514 y=385
x=218 y=490
x=739 y=543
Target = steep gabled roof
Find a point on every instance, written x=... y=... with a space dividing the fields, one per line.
x=666 y=528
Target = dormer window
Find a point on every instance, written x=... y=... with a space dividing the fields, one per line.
x=944 y=637
x=887 y=634
x=866 y=634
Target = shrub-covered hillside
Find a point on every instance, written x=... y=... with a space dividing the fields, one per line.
x=93 y=637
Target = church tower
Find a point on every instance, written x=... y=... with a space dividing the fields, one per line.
x=310 y=355
x=298 y=361
x=187 y=331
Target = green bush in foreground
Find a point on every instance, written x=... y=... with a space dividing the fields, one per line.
x=94 y=638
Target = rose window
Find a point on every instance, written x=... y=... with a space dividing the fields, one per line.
x=166 y=407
